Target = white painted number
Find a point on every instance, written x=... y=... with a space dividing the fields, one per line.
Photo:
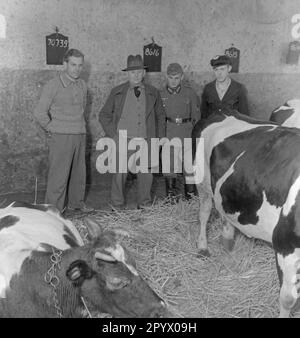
x=58 y=43
x=2 y=27
x=151 y=52
x=296 y=29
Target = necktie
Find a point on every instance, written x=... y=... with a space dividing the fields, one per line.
x=137 y=91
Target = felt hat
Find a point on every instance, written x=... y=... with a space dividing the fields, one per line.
x=134 y=62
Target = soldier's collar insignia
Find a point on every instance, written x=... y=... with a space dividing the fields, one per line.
x=174 y=90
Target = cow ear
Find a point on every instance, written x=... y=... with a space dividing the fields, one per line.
x=78 y=272
x=93 y=227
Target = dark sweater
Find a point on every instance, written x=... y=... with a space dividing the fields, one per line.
x=234 y=98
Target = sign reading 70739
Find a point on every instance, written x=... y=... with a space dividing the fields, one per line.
x=56 y=46
x=57 y=42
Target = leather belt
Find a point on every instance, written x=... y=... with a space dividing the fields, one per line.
x=178 y=120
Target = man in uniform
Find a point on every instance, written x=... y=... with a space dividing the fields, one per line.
x=223 y=93
x=134 y=107
x=182 y=108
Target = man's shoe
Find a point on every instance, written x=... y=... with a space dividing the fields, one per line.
x=82 y=208
x=171 y=189
x=145 y=205
x=190 y=190
x=118 y=207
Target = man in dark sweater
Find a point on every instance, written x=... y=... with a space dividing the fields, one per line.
x=223 y=93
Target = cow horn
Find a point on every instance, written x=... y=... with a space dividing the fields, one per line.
x=93 y=227
x=104 y=257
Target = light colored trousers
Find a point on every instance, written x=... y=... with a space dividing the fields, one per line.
x=67 y=170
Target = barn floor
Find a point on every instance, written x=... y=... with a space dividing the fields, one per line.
x=97 y=196
x=240 y=284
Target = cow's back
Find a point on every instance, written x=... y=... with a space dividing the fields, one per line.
x=25 y=228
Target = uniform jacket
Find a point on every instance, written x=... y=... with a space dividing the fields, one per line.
x=155 y=115
x=184 y=104
x=234 y=98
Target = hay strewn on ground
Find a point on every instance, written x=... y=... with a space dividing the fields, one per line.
x=242 y=283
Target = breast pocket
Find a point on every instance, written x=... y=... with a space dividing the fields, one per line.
x=211 y=100
x=233 y=103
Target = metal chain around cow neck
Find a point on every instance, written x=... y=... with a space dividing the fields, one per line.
x=52 y=278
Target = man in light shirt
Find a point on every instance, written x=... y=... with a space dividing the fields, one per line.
x=60 y=112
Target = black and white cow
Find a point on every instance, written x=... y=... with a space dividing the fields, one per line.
x=252 y=174
x=40 y=251
x=287 y=115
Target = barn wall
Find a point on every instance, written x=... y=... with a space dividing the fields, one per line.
x=190 y=32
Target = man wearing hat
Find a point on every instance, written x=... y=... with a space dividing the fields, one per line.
x=182 y=108
x=134 y=107
x=223 y=93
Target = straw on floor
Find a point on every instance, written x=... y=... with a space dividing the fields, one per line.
x=242 y=283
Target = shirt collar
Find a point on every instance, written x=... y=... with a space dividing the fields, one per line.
x=174 y=90
x=228 y=83
x=141 y=85
x=66 y=80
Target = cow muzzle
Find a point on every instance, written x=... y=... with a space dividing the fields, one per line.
x=157 y=311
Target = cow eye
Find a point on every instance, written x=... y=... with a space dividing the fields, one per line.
x=101 y=263
x=115 y=283
x=120 y=282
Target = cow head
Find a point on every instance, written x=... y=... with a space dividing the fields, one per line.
x=105 y=276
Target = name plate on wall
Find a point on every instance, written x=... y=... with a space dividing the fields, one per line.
x=234 y=55
x=152 y=57
x=56 y=47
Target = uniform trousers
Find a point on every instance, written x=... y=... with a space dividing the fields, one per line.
x=179 y=162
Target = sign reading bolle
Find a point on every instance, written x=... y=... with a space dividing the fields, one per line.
x=234 y=55
x=152 y=57
x=56 y=46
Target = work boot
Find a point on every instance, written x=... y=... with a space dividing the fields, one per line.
x=171 y=187
x=190 y=190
